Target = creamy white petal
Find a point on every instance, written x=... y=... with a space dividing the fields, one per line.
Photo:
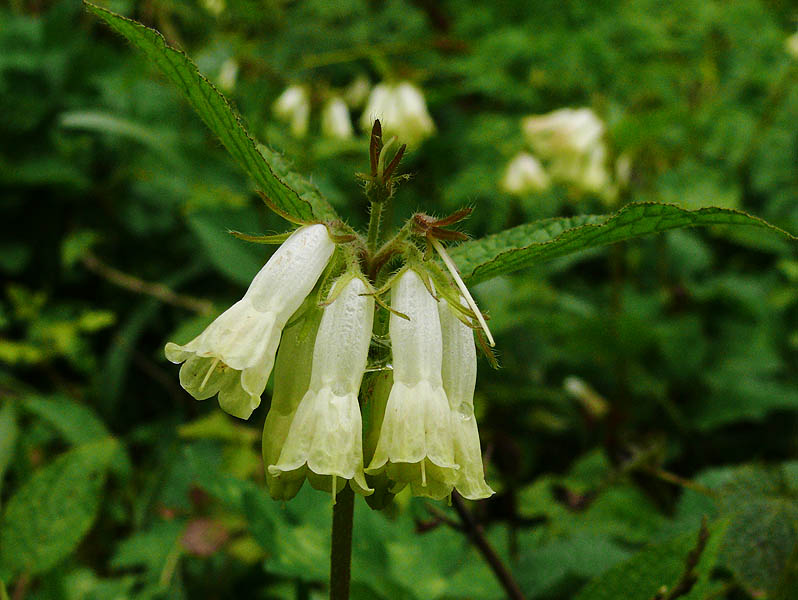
x=416 y=444
x=459 y=373
x=244 y=339
x=326 y=432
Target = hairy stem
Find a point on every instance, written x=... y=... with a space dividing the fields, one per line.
x=375 y=222
x=341 y=547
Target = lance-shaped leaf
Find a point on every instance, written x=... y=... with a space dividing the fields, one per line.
x=222 y=119
x=532 y=243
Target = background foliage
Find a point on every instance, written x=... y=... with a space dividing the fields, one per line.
x=642 y=387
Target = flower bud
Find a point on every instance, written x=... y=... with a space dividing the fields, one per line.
x=325 y=439
x=234 y=356
x=335 y=121
x=293 y=106
x=523 y=175
x=415 y=444
x=459 y=374
x=402 y=112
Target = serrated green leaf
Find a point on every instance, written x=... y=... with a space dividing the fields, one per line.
x=526 y=245
x=218 y=115
x=48 y=516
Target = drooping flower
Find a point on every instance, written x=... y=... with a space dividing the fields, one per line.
x=293 y=107
x=325 y=441
x=291 y=381
x=524 y=174
x=402 y=112
x=234 y=356
x=459 y=375
x=415 y=443
x=335 y=121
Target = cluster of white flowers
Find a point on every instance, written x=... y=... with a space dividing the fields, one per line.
x=570 y=143
x=400 y=107
x=402 y=111
x=426 y=434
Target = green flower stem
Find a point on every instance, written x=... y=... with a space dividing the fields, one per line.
x=375 y=222
x=341 y=548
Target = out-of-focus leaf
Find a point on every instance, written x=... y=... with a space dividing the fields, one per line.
x=217 y=113
x=149 y=548
x=230 y=256
x=762 y=506
x=8 y=436
x=526 y=245
x=76 y=422
x=643 y=575
x=101 y=122
x=48 y=516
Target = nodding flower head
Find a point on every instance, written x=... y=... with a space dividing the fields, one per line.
x=415 y=443
x=459 y=374
x=324 y=441
x=234 y=356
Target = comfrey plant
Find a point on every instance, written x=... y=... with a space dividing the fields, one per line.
x=427 y=437
x=372 y=338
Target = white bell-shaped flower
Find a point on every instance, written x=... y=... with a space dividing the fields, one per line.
x=335 y=121
x=325 y=441
x=524 y=174
x=293 y=107
x=415 y=443
x=291 y=380
x=459 y=374
x=402 y=112
x=234 y=356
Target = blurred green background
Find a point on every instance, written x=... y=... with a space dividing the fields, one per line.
x=641 y=386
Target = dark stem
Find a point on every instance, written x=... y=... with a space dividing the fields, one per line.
x=341 y=547
x=477 y=535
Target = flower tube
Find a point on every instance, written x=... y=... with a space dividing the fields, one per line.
x=291 y=380
x=234 y=356
x=325 y=441
x=415 y=444
x=459 y=374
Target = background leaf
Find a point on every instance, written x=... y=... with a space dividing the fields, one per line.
x=217 y=113
x=48 y=516
x=526 y=245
